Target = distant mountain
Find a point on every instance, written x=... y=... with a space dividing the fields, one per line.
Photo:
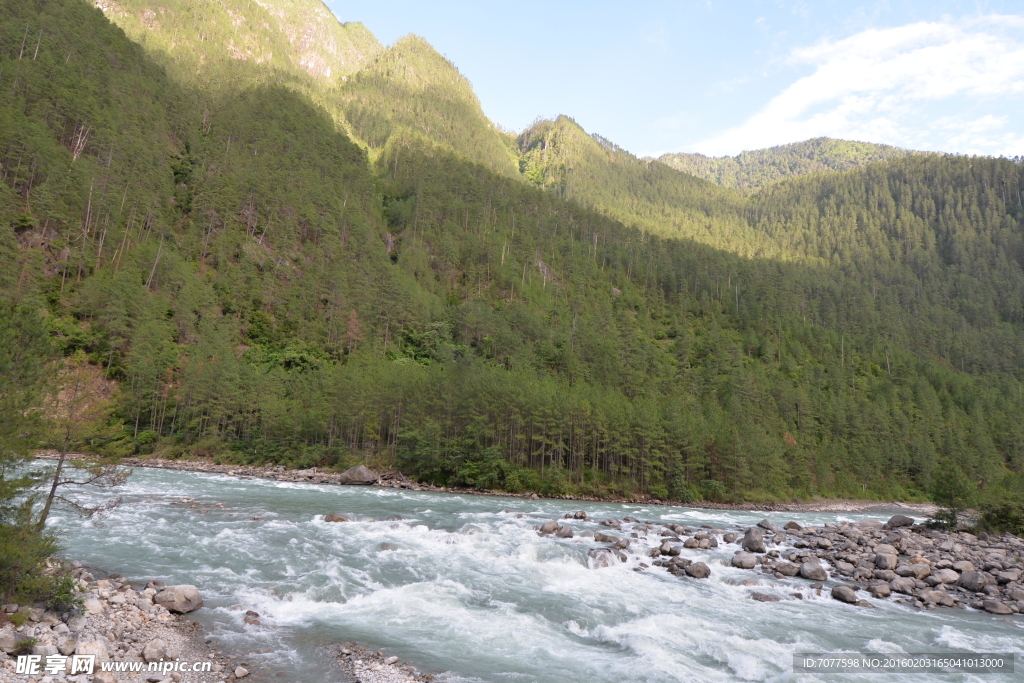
x=755 y=169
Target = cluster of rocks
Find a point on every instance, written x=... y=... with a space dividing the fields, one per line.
x=368 y=666
x=117 y=622
x=916 y=565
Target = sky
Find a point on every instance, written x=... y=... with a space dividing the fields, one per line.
x=719 y=77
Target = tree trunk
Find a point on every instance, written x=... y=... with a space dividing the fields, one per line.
x=56 y=478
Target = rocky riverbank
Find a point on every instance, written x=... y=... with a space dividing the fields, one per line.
x=899 y=559
x=395 y=479
x=119 y=621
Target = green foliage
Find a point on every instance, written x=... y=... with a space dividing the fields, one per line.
x=953 y=491
x=755 y=169
x=261 y=288
x=64 y=595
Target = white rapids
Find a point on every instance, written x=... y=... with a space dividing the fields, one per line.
x=473 y=593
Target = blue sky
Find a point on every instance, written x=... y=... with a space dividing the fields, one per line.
x=720 y=77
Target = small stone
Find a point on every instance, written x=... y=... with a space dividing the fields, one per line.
x=392 y=660
x=241 y=672
x=155 y=650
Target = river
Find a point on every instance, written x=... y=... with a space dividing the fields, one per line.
x=471 y=592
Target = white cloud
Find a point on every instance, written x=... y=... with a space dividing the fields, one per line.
x=928 y=85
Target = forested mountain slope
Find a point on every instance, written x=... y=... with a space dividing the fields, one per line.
x=262 y=288
x=756 y=168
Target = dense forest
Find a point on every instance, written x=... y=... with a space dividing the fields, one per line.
x=754 y=169
x=323 y=270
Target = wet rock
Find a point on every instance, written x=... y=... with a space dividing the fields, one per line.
x=359 y=475
x=698 y=570
x=793 y=526
x=180 y=599
x=599 y=558
x=611 y=522
x=564 y=531
x=844 y=594
x=605 y=538
x=769 y=525
x=730 y=538
x=753 y=540
x=973 y=581
x=763 y=597
x=579 y=514
x=385 y=546
x=897 y=521
x=334 y=517
x=744 y=561
x=787 y=568
x=691 y=543
x=548 y=528
x=996 y=607
x=394 y=518
x=813 y=571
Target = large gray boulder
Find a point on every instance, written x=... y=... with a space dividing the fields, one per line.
x=564 y=531
x=973 y=581
x=996 y=607
x=180 y=599
x=897 y=521
x=844 y=594
x=335 y=517
x=769 y=525
x=945 y=576
x=744 y=561
x=753 y=540
x=903 y=584
x=548 y=528
x=885 y=561
x=812 y=571
x=10 y=640
x=360 y=474
x=698 y=570
x=787 y=569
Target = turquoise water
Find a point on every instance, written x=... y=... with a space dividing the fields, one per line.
x=473 y=593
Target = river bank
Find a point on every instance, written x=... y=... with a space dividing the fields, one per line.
x=395 y=479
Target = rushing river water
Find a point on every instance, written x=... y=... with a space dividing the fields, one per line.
x=472 y=592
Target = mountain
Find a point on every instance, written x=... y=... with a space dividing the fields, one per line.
x=755 y=169
x=263 y=286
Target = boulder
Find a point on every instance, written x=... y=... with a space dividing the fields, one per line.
x=763 y=597
x=897 y=521
x=605 y=538
x=335 y=517
x=93 y=647
x=963 y=566
x=996 y=607
x=155 y=650
x=66 y=645
x=868 y=524
x=360 y=474
x=691 y=543
x=880 y=590
x=844 y=567
x=944 y=576
x=973 y=581
x=548 y=527
x=1008 y=576
x=885 y=561
x=753 y=540
x=599 y=558
x=793 y=526
x=564 y=531
x=242 y=672
x=885 y=549
x=787 y=568
x=77 y=624
x=180 y=599
x=769 y=525
x=698 y=570
x=10 y=641
x=813 y=571
x=744 y=561
x=903 y=584
x=93 y=605
x=730 y=538
x=844 y=594
x=579 y=514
